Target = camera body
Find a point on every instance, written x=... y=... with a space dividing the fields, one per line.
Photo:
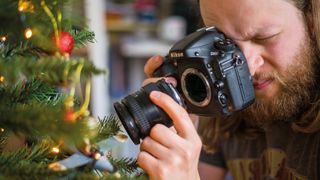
x=212 y=73
x=213 y=80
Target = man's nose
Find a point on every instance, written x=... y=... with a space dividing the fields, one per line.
x=253 y=55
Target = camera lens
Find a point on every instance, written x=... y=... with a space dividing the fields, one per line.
x=138 y=114
x=195 y=87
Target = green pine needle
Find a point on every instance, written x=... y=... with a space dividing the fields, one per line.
x=126 y=166
x=108 y=126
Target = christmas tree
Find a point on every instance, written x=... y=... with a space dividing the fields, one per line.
x=46 y=130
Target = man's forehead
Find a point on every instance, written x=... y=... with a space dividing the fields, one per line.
x=242 y=21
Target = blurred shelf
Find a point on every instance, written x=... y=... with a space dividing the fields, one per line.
x=122 y=26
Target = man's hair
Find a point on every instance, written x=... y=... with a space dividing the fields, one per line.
x=214 y=130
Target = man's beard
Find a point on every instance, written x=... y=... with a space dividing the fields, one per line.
x=295 y=95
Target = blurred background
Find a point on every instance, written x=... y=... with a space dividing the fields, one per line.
x=128 y=32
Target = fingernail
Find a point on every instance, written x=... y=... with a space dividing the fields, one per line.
x=155 y=94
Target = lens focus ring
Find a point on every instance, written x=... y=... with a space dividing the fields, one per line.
x=139 y=116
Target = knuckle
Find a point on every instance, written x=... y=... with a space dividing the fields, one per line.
x=162 y=171
x=155 y=130
x=187 y=153
x=176 y=161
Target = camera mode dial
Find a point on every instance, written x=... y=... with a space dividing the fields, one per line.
x=224 y=45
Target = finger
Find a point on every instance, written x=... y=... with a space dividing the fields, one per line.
x=147 y=162
x=150 y=80
x=152 y=64
x=164 y=135
x=173 y=129
x=154 y=148
x=179 y=116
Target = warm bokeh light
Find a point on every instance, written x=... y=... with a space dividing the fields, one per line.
x=25 y=6
x=97 y=156
x=55 y=150
x=3 y=39
x=28 y=33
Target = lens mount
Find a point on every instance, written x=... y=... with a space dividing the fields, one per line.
x=195 y=87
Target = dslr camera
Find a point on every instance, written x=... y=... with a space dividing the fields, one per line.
x=213 y=80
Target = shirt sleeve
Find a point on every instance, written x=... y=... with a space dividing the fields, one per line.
x=215 y=159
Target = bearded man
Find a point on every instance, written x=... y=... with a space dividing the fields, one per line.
x=275 y=138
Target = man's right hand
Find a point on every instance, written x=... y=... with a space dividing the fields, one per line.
x=151 y=65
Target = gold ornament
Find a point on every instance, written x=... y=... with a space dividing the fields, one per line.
x=25 y=6
x=121 y=137
x=117 y=175
x=57 y=166
x=68 y=102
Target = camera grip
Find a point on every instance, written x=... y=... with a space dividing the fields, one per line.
x=166 y=69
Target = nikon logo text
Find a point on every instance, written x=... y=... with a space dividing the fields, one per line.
x=176 y=54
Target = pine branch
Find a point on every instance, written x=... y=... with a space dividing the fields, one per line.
x=108 y=127
x=126 y=166
x=29 y=91
x=37 y=120
x=52 y=70
x=28 y=162
x=82 y=37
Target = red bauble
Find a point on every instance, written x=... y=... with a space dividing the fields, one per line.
x=66 y=43
x=70 y=116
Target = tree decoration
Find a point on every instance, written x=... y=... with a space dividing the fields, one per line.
x=3 y=38
x=43 y=101
x=25 y=6
x=66 y=43
x=28 y=33
x=1 y=79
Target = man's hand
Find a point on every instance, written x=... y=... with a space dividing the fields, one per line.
x=171 y=153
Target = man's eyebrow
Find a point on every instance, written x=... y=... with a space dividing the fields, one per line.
x=255 y=32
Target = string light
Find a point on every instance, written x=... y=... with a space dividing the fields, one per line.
x=3 y=39
x=55 y=150
x=28 y=33
x=1 y=79
x=1 y=130
x=97 y=156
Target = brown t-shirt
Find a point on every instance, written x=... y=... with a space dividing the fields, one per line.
x=280 y=153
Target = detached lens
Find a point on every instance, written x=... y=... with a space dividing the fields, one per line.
x=138 y=114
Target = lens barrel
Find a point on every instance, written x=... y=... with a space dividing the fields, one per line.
x=138 y=114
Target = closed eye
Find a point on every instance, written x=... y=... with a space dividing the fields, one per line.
x=265 y=38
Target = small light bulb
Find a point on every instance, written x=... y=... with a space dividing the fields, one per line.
x=3 y=39
x=1 y=78
x=1 y=129
x=28 y=33
x=97 y=156
x=55 y=150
